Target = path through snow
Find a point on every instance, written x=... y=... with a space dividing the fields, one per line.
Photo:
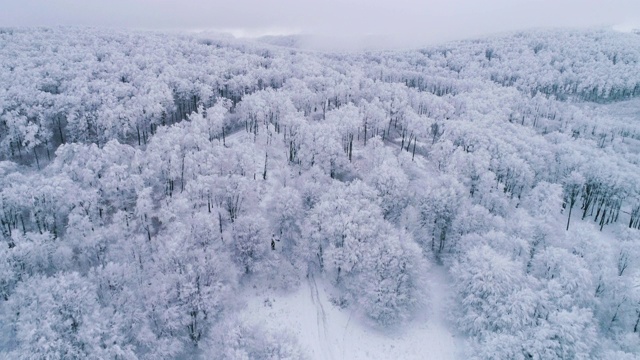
x=323 y=334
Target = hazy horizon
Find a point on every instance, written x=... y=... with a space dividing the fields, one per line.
x=401 y=22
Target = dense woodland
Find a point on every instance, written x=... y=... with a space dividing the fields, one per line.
x=146 y=179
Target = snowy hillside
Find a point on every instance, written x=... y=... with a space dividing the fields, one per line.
x=167 y=196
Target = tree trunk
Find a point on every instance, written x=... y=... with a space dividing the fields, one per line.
x=365 y=134
x=60 y=130
x=569 y=219
x=36 y=154
x=264 y=174
x=414 y=149
x=182 y=175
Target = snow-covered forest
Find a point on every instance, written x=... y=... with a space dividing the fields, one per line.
x=152 y=184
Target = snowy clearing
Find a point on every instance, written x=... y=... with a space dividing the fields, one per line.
x=328 y=332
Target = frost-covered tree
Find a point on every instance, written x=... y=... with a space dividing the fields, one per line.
x=56 y=317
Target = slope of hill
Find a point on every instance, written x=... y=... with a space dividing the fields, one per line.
x=165 y=196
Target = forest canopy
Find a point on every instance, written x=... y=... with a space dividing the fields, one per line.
x=146 y=179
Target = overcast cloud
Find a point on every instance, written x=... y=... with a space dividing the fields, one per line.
x=406 y=21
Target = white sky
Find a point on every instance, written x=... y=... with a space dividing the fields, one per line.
x=411 y=21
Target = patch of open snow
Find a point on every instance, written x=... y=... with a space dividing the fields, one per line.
x=328 y=332
x=628 y=26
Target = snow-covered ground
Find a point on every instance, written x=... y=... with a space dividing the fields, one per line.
x=328 y=332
